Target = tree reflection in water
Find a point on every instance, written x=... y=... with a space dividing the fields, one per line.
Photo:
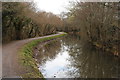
x=47 y=50
x=80 y=60
x=91 y=62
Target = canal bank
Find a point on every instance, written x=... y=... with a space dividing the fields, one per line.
x=68 y=57
x=27 y=60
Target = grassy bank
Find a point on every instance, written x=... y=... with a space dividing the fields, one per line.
x=26 y=57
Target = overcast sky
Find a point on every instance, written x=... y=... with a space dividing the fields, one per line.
x=54 y=6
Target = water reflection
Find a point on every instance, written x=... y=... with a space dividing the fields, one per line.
x=47 y=51
x=69 y=58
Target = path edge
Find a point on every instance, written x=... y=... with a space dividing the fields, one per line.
x=26 y=60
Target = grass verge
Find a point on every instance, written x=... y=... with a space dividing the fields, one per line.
x=26 y=57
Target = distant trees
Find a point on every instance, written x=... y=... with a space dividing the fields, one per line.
x=21 y=20
x=98 y=23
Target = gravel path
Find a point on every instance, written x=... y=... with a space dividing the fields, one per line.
x=10 y=66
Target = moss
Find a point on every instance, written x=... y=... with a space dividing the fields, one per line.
x=28 y=62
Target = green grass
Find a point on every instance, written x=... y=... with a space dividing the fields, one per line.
x=26 y=57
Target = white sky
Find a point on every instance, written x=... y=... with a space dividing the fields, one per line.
x=54 y=6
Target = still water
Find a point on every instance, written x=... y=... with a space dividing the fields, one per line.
x=67 y=57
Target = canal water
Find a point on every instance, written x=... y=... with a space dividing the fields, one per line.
x=68 y=57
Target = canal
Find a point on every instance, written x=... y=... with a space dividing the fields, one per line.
x=68 y=57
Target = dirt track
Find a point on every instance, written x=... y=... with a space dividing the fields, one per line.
x=10 y=66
